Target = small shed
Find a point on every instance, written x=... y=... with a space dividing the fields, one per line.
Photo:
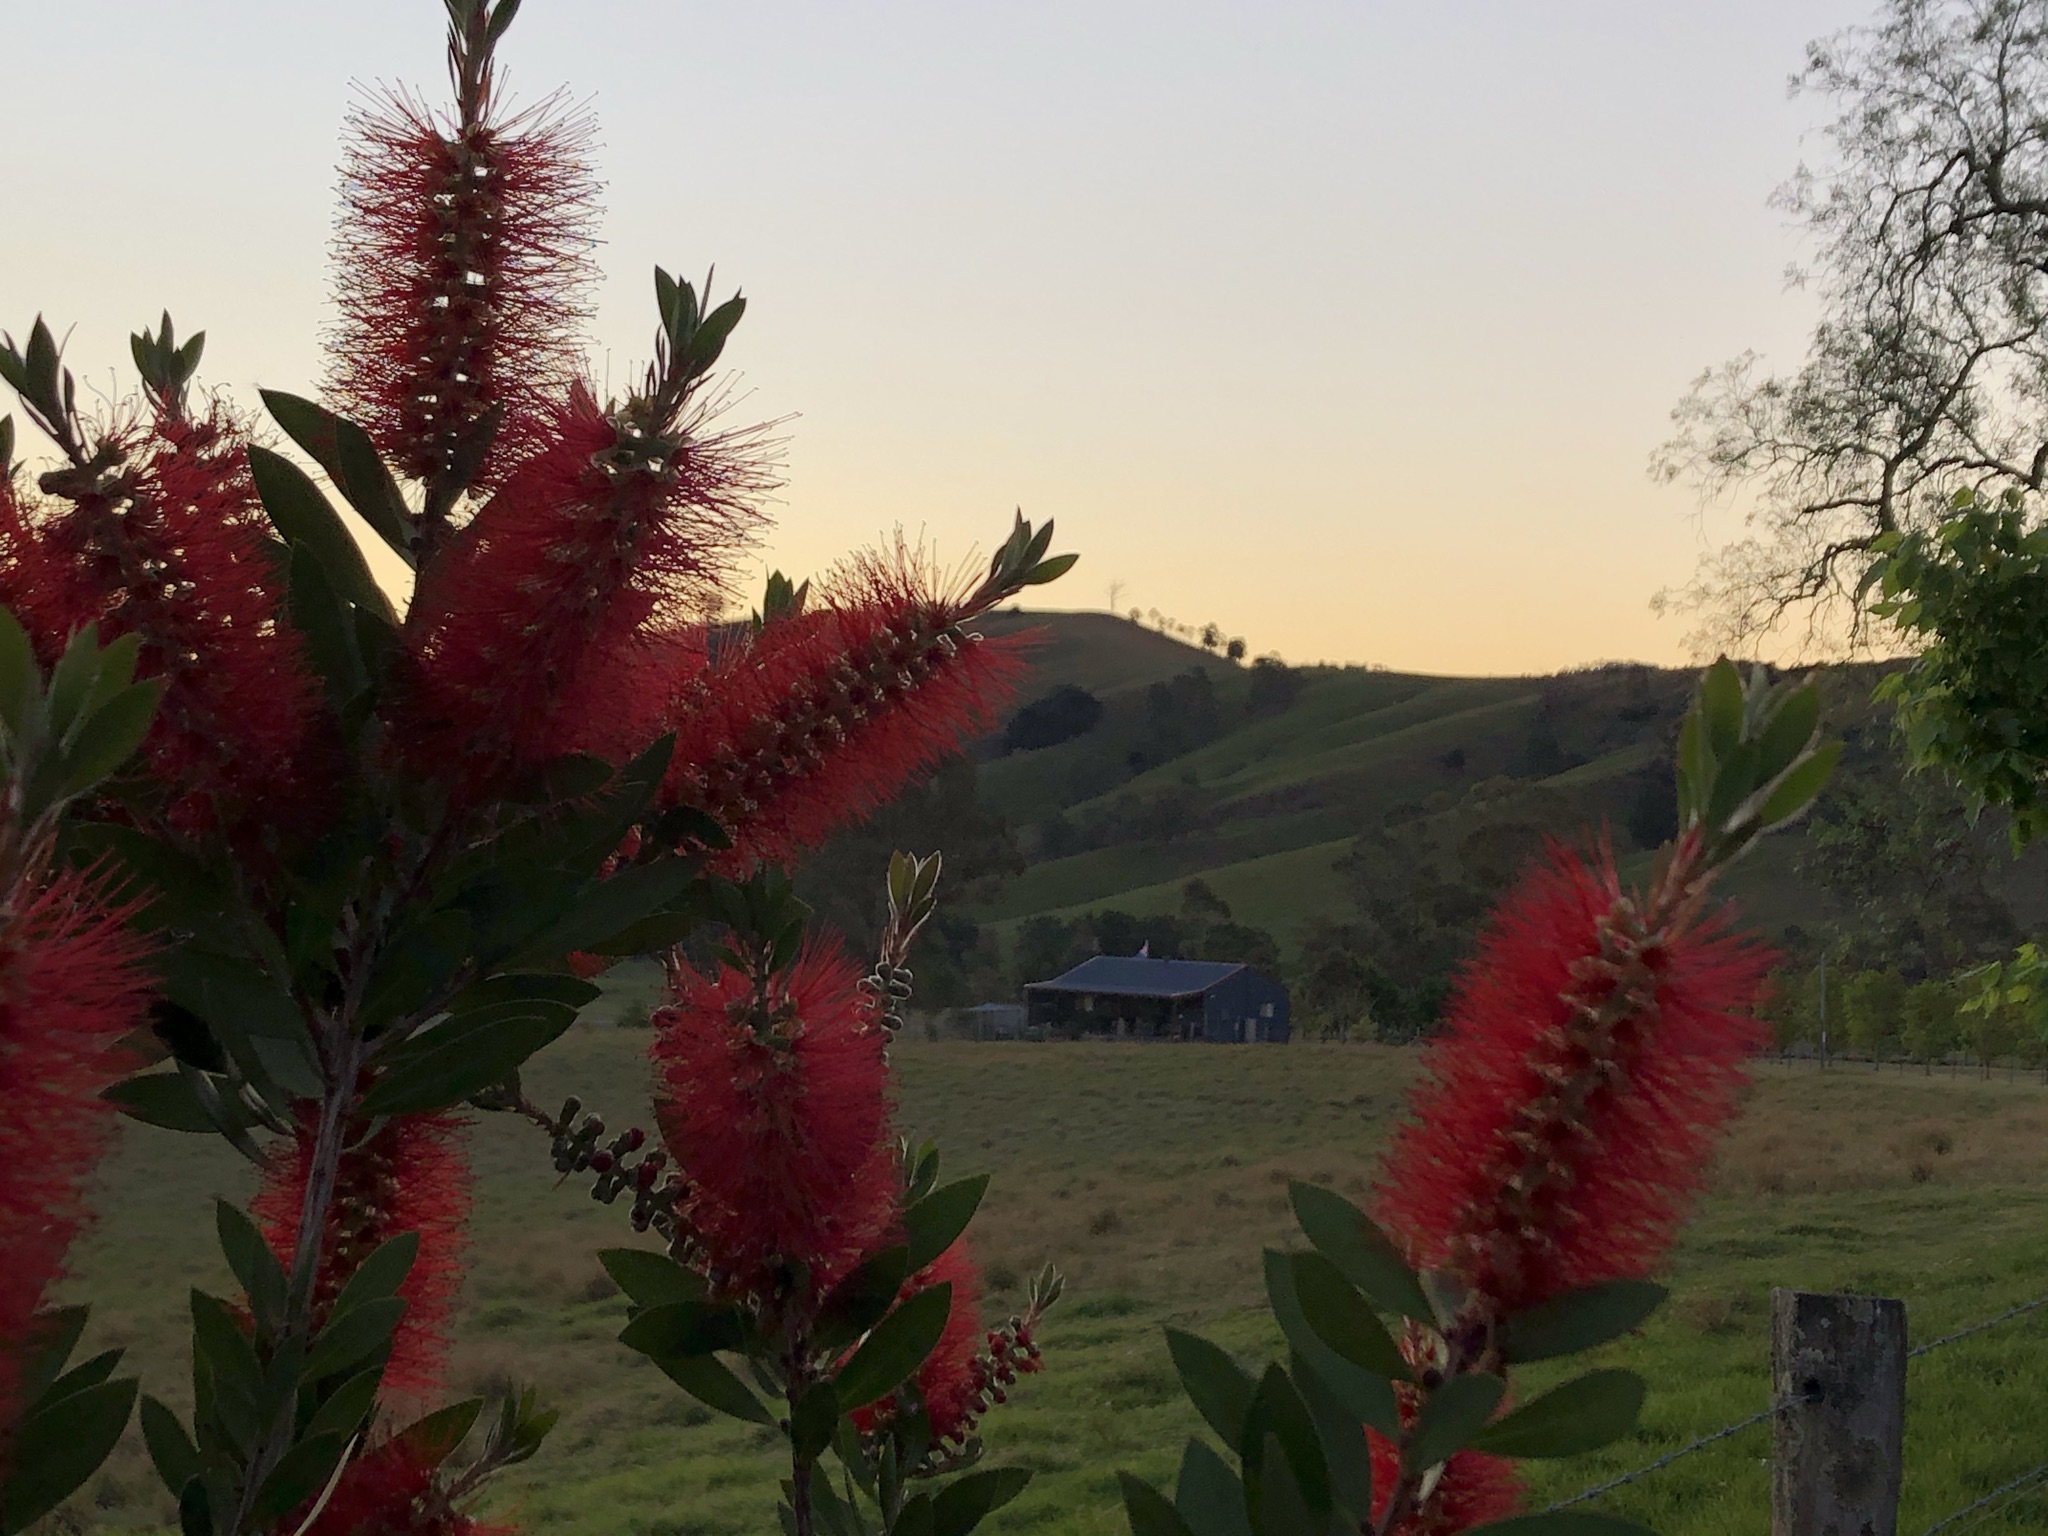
x=994 y=1021
x=1134 y=997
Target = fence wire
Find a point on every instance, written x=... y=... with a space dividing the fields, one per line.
x=2005 y=1495
x=2017 y=1488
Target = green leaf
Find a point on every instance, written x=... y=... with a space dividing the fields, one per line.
x=682 y=1329
x=1208 y=1494
x=351 y=1336
x=1584 y=1414
x=650 y=1279
x=1363 y=1254
x=862 y=1299
x=1579 y=1320
x=171 y=1450
x=380 y=1275
x=1279 y=1414
x=322 y=619
x=1720 y=707
x=812 y=1419
x=253 y=1264
x=1454 y=1413
x=109 y=737
x=94 y=1371
x=1797 y=790
x=1220 y=1389
x=1345 y=1451
x=1341 y=1318
x=54 y=1335
x=934 y=1222
x=302 y=515
x=1370 y=1397
x=1563 y=1523
x=896 y=1347
x=436 y=1436
x=347 y=1406
x=415 y=967
x=228 y=1358
x=1048 y=570
x=20 y=679
x=163 y=1099
x=57 y=1449
x=345 y=451
x=1273 y=1498
x=1788 y=732
x=606 y=909
x=461 y=1057
x=711 y=1381
x=1148 y=1510
x=300 y=1473
x=965 y=1502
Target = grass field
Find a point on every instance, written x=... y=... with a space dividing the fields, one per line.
x=1154 y=1175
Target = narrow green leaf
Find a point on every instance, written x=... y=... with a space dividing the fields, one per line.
x=348 y=1405
x=380 y=1275
x=1579 y=1320
x=353 y=1335
x=966 y=1501
x=1220 y=1389
x=812 y=1419
x=1341 y=1317
x=1797 y=790
x=109 y=737
x=682 y=1329
x=1369 y=1396
x=895 y=1348
x=438 y=1435
x=171 y=1450
x=1363 y=1254
x=1455 y=1412
x=1584 y=1414
x=934 y=1222
x=1149 y=1511
x=1345 y=1451
x=1720 y=707
x=253 y=1264
x=302 y=516
x=345 y=451
x=1209 y=1495
x=56 y=1450
x=650 y=1279
x=712 y=1382
x=301 y=1472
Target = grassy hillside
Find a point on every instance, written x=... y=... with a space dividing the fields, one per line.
x=1155 y=1175
x=1266 y=806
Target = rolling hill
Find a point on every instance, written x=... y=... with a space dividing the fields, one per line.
x=1262 y=787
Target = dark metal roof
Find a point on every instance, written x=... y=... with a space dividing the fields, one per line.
x=1140 y=976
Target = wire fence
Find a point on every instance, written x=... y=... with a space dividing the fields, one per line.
x=1992 y=1504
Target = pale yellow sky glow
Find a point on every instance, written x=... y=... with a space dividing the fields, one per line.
x=1348 y=326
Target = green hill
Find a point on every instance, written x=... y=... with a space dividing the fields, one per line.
x=1304 y=798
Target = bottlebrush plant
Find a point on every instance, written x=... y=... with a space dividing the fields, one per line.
x=376 y=851
x=1592 y=1055
x=74 y=988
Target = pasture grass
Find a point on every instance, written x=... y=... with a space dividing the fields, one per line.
x=1154 y=1175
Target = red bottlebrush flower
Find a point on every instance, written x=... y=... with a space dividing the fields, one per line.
x=953 y=1375
x=1565 y=1116
x=410 y=1175
x=823 y=717
x=564 y=614
x=38 y=584
x=776 y=1111
x=460 y=272
x=174 y=550
x=391 y=1490
x=72 y=984
x=1475 y=1488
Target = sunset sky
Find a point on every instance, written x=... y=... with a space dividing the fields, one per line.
x=1349 y=326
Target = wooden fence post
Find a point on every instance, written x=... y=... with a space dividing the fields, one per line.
x=1838 y=1363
